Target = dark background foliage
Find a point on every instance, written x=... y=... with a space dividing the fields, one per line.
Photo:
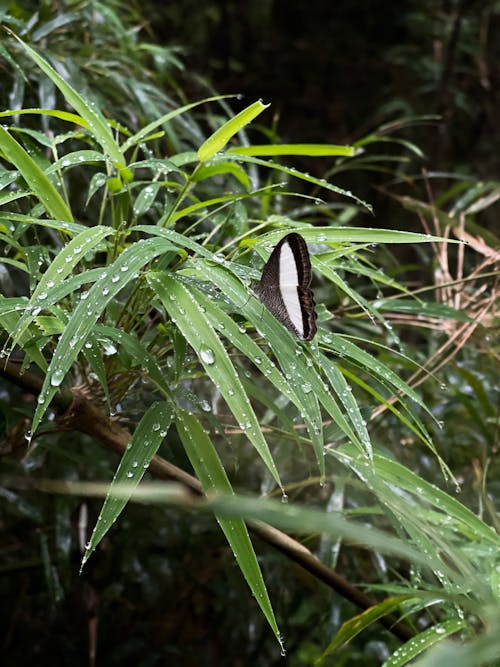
x=333 y=71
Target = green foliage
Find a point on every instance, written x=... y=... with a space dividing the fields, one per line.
x=131 y=276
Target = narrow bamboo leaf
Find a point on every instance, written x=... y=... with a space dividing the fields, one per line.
x=146 y=197
x=181 y=240
x=159 y=167
x=68 y=286
x=93 y=352
x=296 y=365
x=358 y=623
x=190 y=318
x=458 y=515
x=35 y=177
x=227 y=327
x=39 y=137
x=211 y=473
x=422 y=642
x=139 y=355
x=7 y=178
x=313 y=150
x=343 y=390
x=203 y=205
x=480 y=652
x=69 y=228
x=76 y=159
x=147 y=437
x=307 y=520
x=295 y=173
x=87 y=110
x=343 y=346
x=358 y=268
x=97 y=182
x=431 y=531
x=64 y=264
x=113 y=279
x=332 y=276
x=376 y=139
x=47 y=27
x=143 y=133
x=55 y=113
x=8 y=322
x=425 y=309
x=222 y=135
x=9 y=197
x=295 y=360
x=14 y=304
x=223 y=168
x=359 y=235
x=412 y=422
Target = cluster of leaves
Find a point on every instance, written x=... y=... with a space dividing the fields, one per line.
x=140 y=294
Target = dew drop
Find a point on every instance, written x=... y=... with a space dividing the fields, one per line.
x=57 y=377
x=207 y=356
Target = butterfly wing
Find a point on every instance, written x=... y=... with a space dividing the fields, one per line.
x=284 y=286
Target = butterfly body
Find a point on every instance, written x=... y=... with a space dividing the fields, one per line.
x=284 y=287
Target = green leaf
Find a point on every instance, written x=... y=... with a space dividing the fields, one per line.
x=313 y=150
x=227 y=328
x=307 y=520
x=343 y=346
x=143 y=133
x=9 y=321
x=211 y=473
x=423 y=641
x=221 y=136
x=296 y=360
x=191 y=319
x=357 y=235
x=68 y=228
x=87 y=110
x=113 y=279
x=77 y=159
x=426 y=309
x=211 y=170
x=358 y=623
x=147 y=437
x=295 y=173
x=35 y=177
x=457 y=515
x=63 y=264
x=55 y=113
x=138 y=354
x=343 y=390
x=146 y=197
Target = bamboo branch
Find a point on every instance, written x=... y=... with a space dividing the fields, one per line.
x=76 y=412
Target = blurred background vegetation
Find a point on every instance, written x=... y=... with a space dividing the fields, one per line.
x=164 y=588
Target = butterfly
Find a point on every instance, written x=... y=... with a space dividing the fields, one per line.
x=284 y=287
